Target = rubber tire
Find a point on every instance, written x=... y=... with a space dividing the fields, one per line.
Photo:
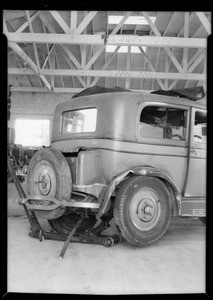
x=122 y=217
x=62 y=173
x=61 y=224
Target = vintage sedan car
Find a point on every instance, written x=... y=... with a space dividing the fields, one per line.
x=137 y=157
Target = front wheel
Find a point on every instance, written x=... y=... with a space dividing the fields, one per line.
x=142 y=210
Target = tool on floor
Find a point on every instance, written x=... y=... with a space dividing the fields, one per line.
x=72 y=232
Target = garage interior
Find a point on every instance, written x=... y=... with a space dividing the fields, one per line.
x=52 y=56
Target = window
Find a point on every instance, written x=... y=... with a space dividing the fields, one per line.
x=132 y=20
x=160 y=122
x=32 y=132
x=200 y=129
x=77 y=121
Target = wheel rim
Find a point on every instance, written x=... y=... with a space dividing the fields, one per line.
x=145 y=209
x=45 y=183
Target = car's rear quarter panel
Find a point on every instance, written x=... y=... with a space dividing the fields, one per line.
x=114 y=144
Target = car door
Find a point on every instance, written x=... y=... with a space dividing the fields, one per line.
x=196 y=174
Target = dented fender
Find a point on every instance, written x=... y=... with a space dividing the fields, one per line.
x=142 y=171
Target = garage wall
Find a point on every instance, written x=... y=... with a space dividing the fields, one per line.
x=35 y=106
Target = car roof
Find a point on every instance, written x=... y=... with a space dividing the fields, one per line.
x=127 y=98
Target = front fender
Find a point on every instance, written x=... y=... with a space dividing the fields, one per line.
x=142 y=171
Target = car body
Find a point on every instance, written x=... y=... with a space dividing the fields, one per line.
x=112 y=140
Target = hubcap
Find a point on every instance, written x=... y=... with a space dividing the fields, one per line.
x=145 y=209
x=45 y=180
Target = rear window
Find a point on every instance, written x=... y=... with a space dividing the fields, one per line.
x=79 y=121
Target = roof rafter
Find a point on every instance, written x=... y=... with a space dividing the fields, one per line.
x=57 y=90
x=113 y=73
x=34 y=44
x=107 y=63
x=101 y=49
x=119 y=40
x=60 y=21
x=26 y=24
x=151 y=67
x=32 y=65
x=168 y=51
x=87 y=19
x=205 y=22
x=65 y=48
x=73 y=20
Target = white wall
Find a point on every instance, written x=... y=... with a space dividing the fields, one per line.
x=35 y=106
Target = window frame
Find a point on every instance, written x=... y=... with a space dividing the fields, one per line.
x=149 y=140
x=201 y=145
x=78 y=133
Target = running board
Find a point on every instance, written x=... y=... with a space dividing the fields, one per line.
x=193 y=207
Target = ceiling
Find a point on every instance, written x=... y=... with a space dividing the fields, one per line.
x=67 y=51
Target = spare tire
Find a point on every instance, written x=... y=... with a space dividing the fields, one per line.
x=49 y=175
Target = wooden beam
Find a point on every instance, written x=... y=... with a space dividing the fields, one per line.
x=166 y=59
x=52 y=68
x=168 y=51
x=186 y=34
x=65 y=48
x=70 y=64
x=34 y=45
x=196 y=63
x=151 y=68
x=189 y=64
x=5 y=30
x=49 y=50
x=73 y=20
x=111 y=73
x=194 y=57
x=166 y=81
x=58 y=66
x=128 y=65
x=88 y=18
x=205 y=22
x=26 y=58
x=58 y=90
x=83 y=47
x=117 y=39
x=121 y=23
x=26 y=24
x=101 y=49
x=16 y=57
x=60 y=21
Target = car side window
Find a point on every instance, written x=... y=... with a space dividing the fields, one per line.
x=79 y=121
x=161 y=122
x=200 y=128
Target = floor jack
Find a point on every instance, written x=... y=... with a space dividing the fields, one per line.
x=89 y=236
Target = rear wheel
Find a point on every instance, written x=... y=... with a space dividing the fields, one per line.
x=49 y=175
x=142 y=209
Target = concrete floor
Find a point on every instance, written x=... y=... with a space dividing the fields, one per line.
x=174 y=264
